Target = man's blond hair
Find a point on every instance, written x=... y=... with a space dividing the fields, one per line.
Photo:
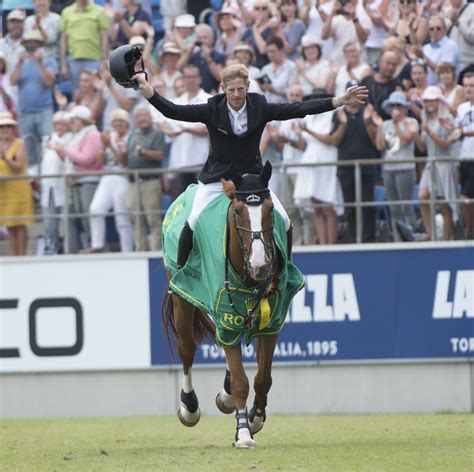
x=234 y=71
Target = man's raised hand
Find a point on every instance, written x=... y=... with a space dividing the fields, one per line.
x=144 y=86
x=356 y=95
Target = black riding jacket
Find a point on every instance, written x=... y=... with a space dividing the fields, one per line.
x=228 y=152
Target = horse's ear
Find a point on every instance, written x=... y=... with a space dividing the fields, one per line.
x=229 y=188
x=266 y=172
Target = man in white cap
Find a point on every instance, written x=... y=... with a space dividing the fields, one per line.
x=10 y=44
x=183 y=31
x=35 y=76
x=170 y=9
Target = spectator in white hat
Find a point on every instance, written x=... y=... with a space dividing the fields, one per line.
x=35 y=76
x=83 y=151
x=229 y=31
x=15 y=195
x=434 y=140
x=312 y=72
x=397 y=137
x=246 y=56
x=183 y=32
x=52 y=190
x=10 y=44
x=170 y=71
x=112 y=189
x=170 y=9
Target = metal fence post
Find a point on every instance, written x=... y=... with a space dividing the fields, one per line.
x=433 y=191
x=137 y=212
x=358 y=201
x=67 y=236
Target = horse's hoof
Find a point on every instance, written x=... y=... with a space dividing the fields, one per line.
x=245 y=441
x=225 y=402
x=187 y=418
x=257 y=419
x=189 y=413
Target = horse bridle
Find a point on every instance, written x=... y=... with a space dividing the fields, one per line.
x=270 y=252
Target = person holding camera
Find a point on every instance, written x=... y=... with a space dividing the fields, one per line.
x=277 y=76
x=35 y=76
x=204 y=56
x=344 y=25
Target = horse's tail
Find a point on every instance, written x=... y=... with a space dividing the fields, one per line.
x=203 y=327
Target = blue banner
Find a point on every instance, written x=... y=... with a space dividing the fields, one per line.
x=361 y=305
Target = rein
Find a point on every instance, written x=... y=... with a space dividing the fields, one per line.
x=259 y=291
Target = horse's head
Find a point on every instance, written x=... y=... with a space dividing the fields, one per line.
x=251 y=224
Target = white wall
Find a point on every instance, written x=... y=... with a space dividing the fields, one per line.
x=298 y=389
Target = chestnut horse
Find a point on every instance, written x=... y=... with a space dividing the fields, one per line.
x=253 y=255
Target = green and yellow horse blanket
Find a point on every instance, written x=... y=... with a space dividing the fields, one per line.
x=201 y=280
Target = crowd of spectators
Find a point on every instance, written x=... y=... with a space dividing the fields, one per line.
x=61 y=112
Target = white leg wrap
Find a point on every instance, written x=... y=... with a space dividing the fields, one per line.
x=187 y=382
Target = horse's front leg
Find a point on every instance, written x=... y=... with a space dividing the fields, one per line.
x=189 y=412
x=262 y=382
x=239 y=386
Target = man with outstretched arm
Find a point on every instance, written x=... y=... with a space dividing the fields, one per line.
x=235 y=121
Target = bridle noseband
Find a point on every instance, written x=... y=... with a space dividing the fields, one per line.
x=252 y=198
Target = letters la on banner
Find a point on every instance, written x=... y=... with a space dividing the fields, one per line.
x=368 y=305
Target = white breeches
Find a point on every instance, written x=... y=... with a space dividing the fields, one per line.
x=208 y=192
x=110 y=194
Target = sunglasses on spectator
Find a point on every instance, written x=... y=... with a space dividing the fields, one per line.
x=261 y=8
x=436 y=28
x=406 y=2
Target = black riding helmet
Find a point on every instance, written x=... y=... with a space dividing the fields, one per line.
x=122 y=65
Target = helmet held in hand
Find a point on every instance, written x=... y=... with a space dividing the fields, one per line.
x=123 y=61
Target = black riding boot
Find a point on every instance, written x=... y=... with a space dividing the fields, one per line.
x=289 y=242
x=185 y=245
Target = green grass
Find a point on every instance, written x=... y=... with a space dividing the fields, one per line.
x=304 y=443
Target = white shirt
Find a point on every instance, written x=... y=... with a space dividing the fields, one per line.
x=188 y=149
x=11 y=49
x=238 y=119
x=465 y=118
x=281 y=78
x=290 y=154
x=53 y=164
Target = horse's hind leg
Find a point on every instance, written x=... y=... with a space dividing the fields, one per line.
x=189 y=412
x=262 y=382
x=224 y=399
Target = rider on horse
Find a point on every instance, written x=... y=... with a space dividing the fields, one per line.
x=235 y=121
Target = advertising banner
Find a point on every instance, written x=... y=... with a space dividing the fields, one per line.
x=74 y=314
x=363 y=305
x=104 y=312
